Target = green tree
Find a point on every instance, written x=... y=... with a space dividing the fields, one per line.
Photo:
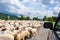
x=50 y=19
x=36 y=18
x=45 y=18
x=22 y=17
x=27 y=18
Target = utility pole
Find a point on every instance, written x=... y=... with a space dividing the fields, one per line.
x=29 y=14
x=8 y=17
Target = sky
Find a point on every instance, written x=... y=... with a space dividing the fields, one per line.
x=32 y=8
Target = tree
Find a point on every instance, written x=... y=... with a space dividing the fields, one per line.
x=36 y=18
x=22 y=17
x=50 y=19
x=27 y=18
x=45 y=18
x=55 y=18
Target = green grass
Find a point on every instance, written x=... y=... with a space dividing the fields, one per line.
x=53 y=23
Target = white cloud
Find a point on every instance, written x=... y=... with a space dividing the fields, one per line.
x=36 y=7
x=52 y=1
x=24 y=1
x=34 y=0
x=56 y=8
x=4 y=1
x=11 y=6
x=45 y=2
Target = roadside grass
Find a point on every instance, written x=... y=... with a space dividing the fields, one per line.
x=53 y=23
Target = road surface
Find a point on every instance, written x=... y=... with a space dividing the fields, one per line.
x=43 y=34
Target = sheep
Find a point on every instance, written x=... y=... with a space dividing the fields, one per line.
x=3 y=29
x=22 y=35
x=32 y=31
x=0 y=29
x=22 y=30
x=11 y=33
x=6 y=37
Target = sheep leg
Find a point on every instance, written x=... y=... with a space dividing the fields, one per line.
x=30 y=35
x=22 y=39
x=25 y=37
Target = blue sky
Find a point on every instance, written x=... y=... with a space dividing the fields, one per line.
x=32 y=8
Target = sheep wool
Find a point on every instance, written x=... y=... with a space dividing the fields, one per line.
x=6 y=37
x=22 y=35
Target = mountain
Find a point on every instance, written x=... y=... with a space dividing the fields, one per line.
x=8 y=17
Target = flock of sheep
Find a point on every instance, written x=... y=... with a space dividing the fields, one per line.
x=18 y=29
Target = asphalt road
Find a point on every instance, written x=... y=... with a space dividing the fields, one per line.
x=41 y=34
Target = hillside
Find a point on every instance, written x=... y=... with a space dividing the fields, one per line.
x=8 y=17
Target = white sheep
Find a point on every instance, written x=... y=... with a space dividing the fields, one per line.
x=22 y=35
x=34 y=30
x=6 y=37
